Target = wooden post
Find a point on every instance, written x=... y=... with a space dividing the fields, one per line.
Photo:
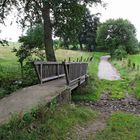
x=77 y=59
x=41 y=73
x=81 y=58
x=57 y=69
x=87 y=59
x=91 y=59
x=66 y=73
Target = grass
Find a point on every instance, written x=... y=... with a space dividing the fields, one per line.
x=130 y=76
x=6 y=55
x=93 y=90
x=45 y=123
x=56 y=122
x=65 y=54
x=121 y=126
x=135 y=58
x=117 y=89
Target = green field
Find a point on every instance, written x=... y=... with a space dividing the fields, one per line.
x=135 y=58
x=45 y=123
x=7 y=57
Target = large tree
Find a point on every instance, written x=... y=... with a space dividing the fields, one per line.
x=115 y=33
x=87 y=34
x=45 y=11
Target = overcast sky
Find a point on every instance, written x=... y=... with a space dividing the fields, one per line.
x=127 y=9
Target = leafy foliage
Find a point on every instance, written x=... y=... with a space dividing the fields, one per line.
x=87 y=34
x=59 y=16
x=115 y=33
x=120 y=53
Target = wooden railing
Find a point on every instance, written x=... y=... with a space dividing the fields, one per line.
x=75 y=72
x=49 y=70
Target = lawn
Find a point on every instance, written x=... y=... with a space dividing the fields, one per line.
x=121 y=126
x=130 y=75
x=62 y=55
x=135 y=58
x=7 y=57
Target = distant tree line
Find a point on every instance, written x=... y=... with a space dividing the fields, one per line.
x=118 y=37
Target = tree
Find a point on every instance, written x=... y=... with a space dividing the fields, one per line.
x=42 y=11
x=114 y=33
x=87 y=34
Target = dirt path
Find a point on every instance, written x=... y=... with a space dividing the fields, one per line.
x=107 y=71
x=105 y=106
x=88 y=132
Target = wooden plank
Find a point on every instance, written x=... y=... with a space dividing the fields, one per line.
x=66 y=73
x=52 y=78
x=46 y=62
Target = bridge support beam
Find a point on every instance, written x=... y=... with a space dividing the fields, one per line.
x=64 y=96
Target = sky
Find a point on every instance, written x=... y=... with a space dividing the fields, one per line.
x=126 y=9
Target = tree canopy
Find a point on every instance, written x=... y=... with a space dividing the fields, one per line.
x=87 y=34
x=48 y=12
x=115 y=33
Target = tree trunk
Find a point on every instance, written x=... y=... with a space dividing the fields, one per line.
x=81 y=46
x=48 y=41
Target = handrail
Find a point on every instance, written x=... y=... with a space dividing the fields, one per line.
x=73 y=71
x=49 y=70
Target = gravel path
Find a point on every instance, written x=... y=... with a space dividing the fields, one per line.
x=107 y=71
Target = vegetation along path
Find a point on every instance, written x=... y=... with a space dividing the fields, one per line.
x=106 y=70
x=106 y=107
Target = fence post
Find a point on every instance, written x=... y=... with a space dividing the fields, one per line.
x=77 y=59
x=57 y=70
x=66 y=73
x=87 y=59
x=81 y=58
x=41 y=73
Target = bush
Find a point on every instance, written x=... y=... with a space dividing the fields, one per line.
x=29 y=75
x=120 y=53
x=11 y=79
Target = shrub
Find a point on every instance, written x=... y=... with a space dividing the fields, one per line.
x=120 y=53
x=29 y=75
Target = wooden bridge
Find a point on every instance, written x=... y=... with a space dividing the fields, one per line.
x=57 y=80
x=75 y=73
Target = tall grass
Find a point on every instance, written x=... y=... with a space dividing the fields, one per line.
x=45 y=124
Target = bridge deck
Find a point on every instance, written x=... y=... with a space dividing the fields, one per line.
x=27 y=98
